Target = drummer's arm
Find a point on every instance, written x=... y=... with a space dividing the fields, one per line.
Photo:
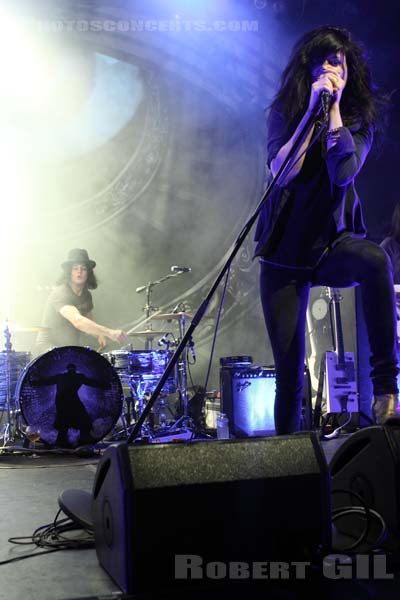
x=87 y=325
x=101 y=338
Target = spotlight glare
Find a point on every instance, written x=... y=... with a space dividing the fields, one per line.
x=25 y=65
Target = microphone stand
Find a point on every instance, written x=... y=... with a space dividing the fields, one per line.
x=285 y=167
x=148 y=308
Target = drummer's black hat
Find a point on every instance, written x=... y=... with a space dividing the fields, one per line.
x=78 y=256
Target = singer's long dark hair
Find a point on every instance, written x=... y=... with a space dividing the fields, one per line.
x=361 y=101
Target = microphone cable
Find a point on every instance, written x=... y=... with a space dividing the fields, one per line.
x=221 y=303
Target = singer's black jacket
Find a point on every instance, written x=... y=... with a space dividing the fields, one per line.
x=320 y=205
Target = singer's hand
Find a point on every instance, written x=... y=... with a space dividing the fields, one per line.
x=338 y=85
x=322 y=84
x=330 y=75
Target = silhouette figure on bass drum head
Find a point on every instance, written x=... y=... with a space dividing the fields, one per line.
x=70 y=410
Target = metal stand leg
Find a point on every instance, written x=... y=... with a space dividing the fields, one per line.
x=185 y=421
x=139 y=392
x=7 y=433
x=161 y=412
x=318 y=402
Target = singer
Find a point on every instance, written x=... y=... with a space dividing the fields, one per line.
x=311 y=231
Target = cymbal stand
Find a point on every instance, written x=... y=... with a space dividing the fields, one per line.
x=7 y=430
x=182 y=377
x=148 y=308
x=182 y=366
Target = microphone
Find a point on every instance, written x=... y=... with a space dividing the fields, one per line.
x=176 y=269
x=325 y=98
x=163 y=341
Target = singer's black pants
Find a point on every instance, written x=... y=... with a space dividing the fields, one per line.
x=284 y=297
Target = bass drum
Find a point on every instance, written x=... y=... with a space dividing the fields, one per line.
x=71 y=394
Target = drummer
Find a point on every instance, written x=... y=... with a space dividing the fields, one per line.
x=68 y=310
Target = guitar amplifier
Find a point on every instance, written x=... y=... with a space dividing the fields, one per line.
x=248 y=398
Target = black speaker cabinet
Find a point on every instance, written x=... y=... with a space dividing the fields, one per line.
x=217 y=501
x=368 y=463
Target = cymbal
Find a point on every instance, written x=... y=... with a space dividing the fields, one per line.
x=149 y=333
x=179 y=315
x=18 y=328
x=170 y=316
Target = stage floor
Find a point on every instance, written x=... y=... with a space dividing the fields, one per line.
x=29 y=491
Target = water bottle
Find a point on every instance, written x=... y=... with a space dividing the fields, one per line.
x=222 y=427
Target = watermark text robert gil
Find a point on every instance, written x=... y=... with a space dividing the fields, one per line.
x=334 y=566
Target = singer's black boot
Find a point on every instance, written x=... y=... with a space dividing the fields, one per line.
x=386 y=409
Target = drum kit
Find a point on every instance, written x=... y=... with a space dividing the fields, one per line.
x=140 y=371
x=73 y=396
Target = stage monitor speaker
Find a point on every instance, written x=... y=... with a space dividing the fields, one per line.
x=257 y=499
x=368 y=463
x=248 y=398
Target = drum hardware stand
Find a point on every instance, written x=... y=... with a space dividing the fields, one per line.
x=182 y=364
x=129 y=403
x=117 y=432
x=161 y=412
x=184 y=420
x=148 y=308
x=9 y=429
x=138 y=398
x=285 y=168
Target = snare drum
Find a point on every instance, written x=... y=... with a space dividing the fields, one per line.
x=72 y=394
x=138 y=362
x=150 y=362
x=11 y=366
x=119 y=360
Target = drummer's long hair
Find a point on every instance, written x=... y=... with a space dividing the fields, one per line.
x=91 y=282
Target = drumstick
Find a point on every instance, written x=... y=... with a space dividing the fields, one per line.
x=157 y=312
